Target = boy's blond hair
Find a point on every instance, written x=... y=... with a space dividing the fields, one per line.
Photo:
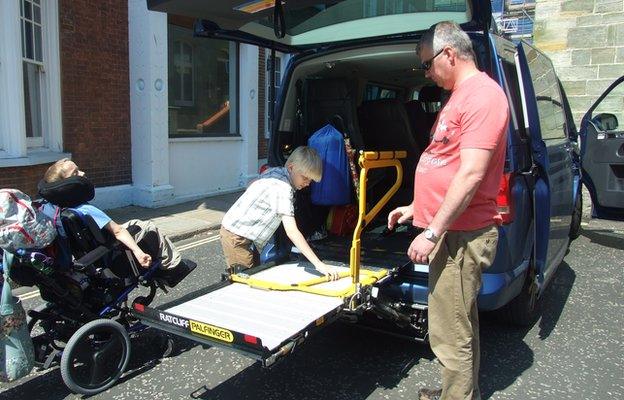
x=55 y=172
x=307 y=162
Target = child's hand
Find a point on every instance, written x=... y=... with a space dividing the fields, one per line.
x=328 y=270
x=144 y=259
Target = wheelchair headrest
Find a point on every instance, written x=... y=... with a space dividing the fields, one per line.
x=68 y=192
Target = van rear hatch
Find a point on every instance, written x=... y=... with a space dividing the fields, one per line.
x=301 y=25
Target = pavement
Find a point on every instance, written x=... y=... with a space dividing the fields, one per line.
x=181 y=221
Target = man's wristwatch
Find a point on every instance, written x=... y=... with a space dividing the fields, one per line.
x=431 y=236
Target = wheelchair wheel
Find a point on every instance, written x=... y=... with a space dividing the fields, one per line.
x=95 y=357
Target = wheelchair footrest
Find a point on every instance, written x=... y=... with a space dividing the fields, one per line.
x=173 y=276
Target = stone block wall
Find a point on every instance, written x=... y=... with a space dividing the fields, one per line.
x=585 y=41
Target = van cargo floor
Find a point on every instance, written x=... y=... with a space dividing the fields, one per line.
x=377 y=250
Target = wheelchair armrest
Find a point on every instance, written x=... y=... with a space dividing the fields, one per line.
x=91 y=257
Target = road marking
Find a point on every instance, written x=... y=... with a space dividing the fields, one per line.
x=199 y=243
x=35 y=293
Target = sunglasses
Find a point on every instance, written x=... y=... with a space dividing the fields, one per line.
x=427 y=64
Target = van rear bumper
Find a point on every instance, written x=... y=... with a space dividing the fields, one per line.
x=497 y=289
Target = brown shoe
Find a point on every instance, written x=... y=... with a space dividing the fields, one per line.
x=429 y=394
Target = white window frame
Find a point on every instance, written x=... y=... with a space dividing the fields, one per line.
x=15 y=149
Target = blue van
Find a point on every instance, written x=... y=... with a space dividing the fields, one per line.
x=354 y=65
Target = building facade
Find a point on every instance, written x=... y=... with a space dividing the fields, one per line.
x=64 y=84
x=152 y=115
x=585 y=40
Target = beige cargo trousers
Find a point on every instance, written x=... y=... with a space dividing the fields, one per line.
x=454 y=283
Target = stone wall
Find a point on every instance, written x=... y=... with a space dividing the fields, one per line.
x=585 y=41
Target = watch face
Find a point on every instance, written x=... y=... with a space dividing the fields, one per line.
x=428 y=234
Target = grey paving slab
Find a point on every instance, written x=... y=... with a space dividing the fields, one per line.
x=180 y=221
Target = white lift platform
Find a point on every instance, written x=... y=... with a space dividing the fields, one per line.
x=269 y=310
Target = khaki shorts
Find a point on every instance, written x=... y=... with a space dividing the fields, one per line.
x=238 y=250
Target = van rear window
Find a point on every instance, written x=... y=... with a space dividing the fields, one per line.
x=374 y=92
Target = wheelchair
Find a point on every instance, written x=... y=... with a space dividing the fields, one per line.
x=87 y=280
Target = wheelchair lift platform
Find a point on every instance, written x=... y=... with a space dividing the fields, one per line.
x=267 y=311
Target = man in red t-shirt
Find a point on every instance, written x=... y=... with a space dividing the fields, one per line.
x=455 y=188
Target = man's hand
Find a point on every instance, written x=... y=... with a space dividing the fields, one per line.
x=328 y=270
x=419 y=249
x=399 y=215
x=144 y=259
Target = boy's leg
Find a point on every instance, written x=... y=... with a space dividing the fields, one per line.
x=149 y=238
x=237 y=250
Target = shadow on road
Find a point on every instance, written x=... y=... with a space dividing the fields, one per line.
x=342 y=362
x=604 y=237
x=504 y=353
x=147 y=351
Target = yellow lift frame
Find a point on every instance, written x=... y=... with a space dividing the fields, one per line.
x=368 y=160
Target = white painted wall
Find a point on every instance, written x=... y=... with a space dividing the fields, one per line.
x=147 y=32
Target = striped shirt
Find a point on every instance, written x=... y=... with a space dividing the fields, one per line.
x=256 y=215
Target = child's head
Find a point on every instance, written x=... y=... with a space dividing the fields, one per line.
x=304 y=165
x=60 y=170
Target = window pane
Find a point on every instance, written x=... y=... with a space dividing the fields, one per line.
x=27 y=10
x=613 y=104
x=37 y=14
x=28 y=36
x=187 y=91
x=187 y=53
x=23 y=40
x=202 y=85
x=38 y=42
x=546 y=86
x=32 y=99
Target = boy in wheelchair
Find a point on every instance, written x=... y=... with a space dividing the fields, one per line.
x=64 y=185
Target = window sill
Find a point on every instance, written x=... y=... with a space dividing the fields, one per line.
x=229 y=138
x=33 y=158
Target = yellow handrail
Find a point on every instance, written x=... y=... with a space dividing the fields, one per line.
x=372 y=160
x=368 y=160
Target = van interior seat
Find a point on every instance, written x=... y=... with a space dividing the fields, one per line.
x=323 y=100
x=420 y=122
x=385 y=126
x=428 y=96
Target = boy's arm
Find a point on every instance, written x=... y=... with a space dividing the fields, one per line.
x=290 y=226
x=124 y=237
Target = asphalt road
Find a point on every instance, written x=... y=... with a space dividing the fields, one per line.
x=575 y=350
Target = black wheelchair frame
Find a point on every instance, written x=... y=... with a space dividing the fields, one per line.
x=86 y=322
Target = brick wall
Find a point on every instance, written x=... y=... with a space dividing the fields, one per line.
x=95 y=88
x=94 y=94
x=585 y=40
x=263 y=143
x=23 y=178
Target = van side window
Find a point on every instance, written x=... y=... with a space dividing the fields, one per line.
x=511 y=77
x=546 y=86
x=374 y=92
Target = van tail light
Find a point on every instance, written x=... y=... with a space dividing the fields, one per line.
x=263 y=168
x=250 y=339
x=503 y=200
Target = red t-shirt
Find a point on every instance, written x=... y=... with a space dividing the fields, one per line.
x=475 y=117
